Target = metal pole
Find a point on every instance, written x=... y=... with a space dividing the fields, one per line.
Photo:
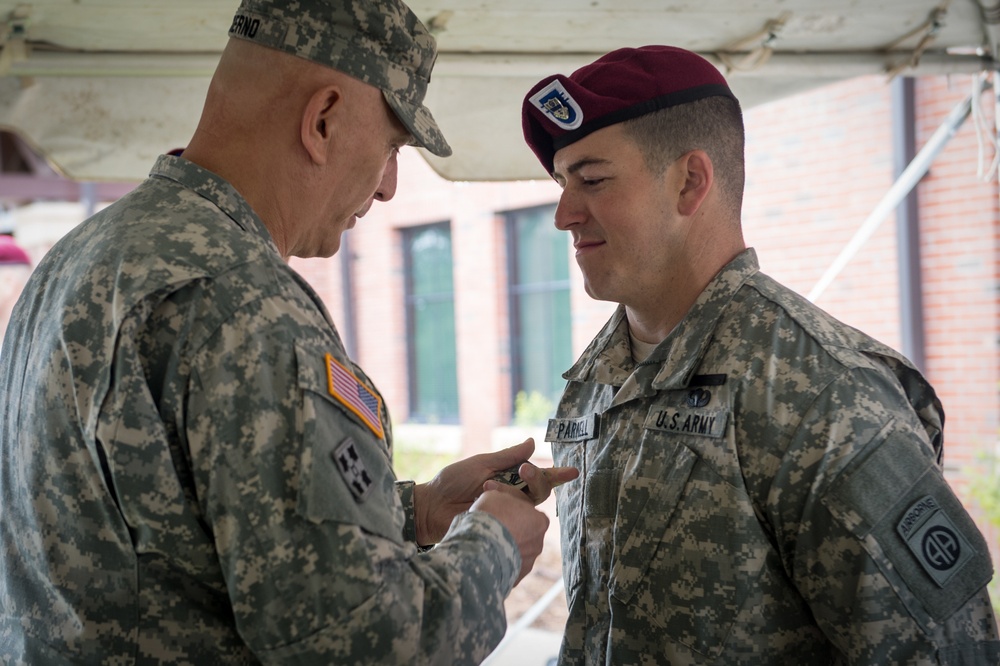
x=349 y=325
x=911 y=304
x=88 y=197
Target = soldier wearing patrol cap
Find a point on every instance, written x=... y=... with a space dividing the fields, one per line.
x=193 y=471
x=762 y=483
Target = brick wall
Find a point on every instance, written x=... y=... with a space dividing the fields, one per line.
x=959 y=214
x=817 y=164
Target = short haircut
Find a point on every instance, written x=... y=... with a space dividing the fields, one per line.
x=712 y=124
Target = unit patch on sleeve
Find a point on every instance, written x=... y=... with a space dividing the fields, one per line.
x=938 y=545
x=352 y=468
x=354 y=395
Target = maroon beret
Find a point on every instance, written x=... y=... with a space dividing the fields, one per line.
x=624 y=84
x=11 y=253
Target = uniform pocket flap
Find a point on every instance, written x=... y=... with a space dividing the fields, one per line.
x=653 y=484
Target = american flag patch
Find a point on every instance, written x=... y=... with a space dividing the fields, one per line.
x=354 y=395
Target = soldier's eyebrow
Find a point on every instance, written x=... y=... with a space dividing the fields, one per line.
x=576 y=166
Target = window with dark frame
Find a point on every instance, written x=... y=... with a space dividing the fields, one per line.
x=430 y=324
x=539 y=304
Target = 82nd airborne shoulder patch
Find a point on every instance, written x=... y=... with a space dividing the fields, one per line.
x=940 y=548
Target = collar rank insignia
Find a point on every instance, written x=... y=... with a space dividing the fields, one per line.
x=558 y=105
x=354 y=395
x=352 y=468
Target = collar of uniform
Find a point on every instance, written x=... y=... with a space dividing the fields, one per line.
x=682 y=351
x=608 y=358
x=215 y=189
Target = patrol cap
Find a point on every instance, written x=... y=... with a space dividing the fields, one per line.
x=380 y=42
x=624 y=84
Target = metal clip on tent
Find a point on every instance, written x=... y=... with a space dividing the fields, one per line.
x=763 y=42
x=928 y=31
x=13 y=39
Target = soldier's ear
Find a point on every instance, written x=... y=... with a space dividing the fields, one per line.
x=695 y=174
x=320 y=121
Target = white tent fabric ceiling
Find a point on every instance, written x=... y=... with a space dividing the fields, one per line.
x=102 y=87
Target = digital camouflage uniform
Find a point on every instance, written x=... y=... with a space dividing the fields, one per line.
x=193 y=471
x=764 y=489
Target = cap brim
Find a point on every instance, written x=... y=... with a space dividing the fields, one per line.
x=420 y=123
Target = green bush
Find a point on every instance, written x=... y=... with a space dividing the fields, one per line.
x=532 y=409
x=984 y=487
x=419 y=465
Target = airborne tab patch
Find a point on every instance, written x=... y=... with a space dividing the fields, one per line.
x=932 y=537
x=354 y=395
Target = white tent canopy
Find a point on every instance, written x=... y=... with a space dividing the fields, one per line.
x=101 y=87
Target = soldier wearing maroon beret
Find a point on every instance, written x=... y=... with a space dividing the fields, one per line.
x=762 y=483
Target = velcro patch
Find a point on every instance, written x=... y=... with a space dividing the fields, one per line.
x=705 y=423
x=511 y=477
x=572 y=430
x=932 y=537
x=354 y=395
x=352 y=468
